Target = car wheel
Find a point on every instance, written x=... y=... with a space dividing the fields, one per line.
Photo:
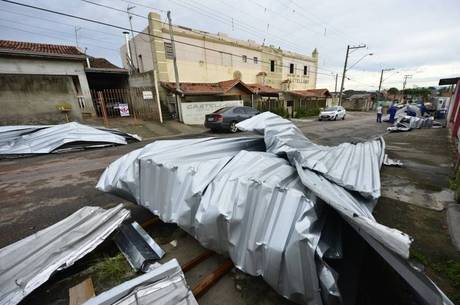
x=320 y=119
x=233 y=127
x=335 y=118
x=343 y=118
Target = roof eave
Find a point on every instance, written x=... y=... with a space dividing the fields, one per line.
x=9 y=52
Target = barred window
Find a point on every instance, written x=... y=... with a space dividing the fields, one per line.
x=169 y=50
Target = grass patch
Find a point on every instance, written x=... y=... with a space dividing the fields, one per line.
x=110 y=271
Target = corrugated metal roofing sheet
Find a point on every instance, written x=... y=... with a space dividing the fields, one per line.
x=35 y=139
x=164 y=285
x=353 y=166
x=28 y=263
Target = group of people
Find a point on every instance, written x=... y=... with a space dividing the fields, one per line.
x=393 y=109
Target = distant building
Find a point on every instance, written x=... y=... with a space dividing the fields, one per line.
x=359 y=102
x=40 y=82
x=218 y=58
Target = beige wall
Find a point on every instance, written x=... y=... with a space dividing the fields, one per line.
x=200 y=65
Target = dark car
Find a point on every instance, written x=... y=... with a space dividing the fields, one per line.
x=226 y=118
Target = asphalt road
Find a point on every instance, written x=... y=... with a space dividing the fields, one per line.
x=37 y=192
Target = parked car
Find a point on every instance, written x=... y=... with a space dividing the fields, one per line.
x=226 y=118
x=333 y=113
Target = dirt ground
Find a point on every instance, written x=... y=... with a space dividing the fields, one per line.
x=39 y=191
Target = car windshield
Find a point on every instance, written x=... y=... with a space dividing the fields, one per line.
x=222 y=110
x=331 y=109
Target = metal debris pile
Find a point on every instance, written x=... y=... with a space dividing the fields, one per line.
x=45 y=139
x=406 y=122
x=275 y=205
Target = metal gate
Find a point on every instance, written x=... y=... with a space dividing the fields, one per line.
x=137 y=103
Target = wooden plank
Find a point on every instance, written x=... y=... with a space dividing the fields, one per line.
x=197 y=260
x=82 y=292
x=212 y=278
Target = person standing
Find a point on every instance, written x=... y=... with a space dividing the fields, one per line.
x=392 y=111
x=379 y=113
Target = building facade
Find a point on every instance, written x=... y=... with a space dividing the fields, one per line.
x=207 y=58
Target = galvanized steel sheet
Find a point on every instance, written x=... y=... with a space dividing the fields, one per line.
x=34 y=139
x=164 y=285
x=28 y=263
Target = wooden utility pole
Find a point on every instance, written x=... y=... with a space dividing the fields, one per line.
x=176 y=71
x=345 y=67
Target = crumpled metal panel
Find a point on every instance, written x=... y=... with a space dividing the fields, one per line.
x=356 y=167
x=28 y=263
x=249 y=205
x=46 y=139
x=164 y=285
x=137 y=246
x=406 y=123
x=252 y=206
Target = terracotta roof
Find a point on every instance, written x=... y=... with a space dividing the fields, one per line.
x=218 y=88
x=263 y=89
x=19 y=47
x=101 y=63
x=311 y=93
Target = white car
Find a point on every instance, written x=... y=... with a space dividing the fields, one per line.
x=332 y=113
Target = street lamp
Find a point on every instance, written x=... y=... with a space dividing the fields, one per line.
x=345 y=66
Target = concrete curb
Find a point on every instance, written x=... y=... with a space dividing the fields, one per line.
x=453 y=222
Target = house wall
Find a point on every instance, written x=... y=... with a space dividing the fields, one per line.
x=42 y=73
x=33 y=98
x=357 y=104
x=200 y=65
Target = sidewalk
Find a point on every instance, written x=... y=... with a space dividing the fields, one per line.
x=415 y=199
x=148 y=129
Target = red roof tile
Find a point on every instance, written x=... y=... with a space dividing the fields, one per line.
x=206 y=88
x=263 y=89
x=311 y=93
x=102 y=63
x=39 y=48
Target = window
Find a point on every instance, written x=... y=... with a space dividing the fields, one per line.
x=245 y=58
x=169 y=50
x=305 y=70
x=256 y=60
x=272 y=65
x=291 y=68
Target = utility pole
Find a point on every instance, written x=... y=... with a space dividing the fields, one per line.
x=176 y=71
x=77 y=28
x=132 y=36
x=128 y=52
x=336 y=78
x=381 y=77
x=345 y=68
x=404 y=86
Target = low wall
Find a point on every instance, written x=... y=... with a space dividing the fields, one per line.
x=194 y=113
x=27 y=99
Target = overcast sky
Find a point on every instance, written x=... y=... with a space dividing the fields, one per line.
x=420 y=38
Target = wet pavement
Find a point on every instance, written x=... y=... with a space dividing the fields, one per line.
x=38 y=191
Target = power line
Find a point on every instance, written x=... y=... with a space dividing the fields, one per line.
x=60 y=22
x=54 y=37
x=56 y=31
x=190 y=5
x=135 y=31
